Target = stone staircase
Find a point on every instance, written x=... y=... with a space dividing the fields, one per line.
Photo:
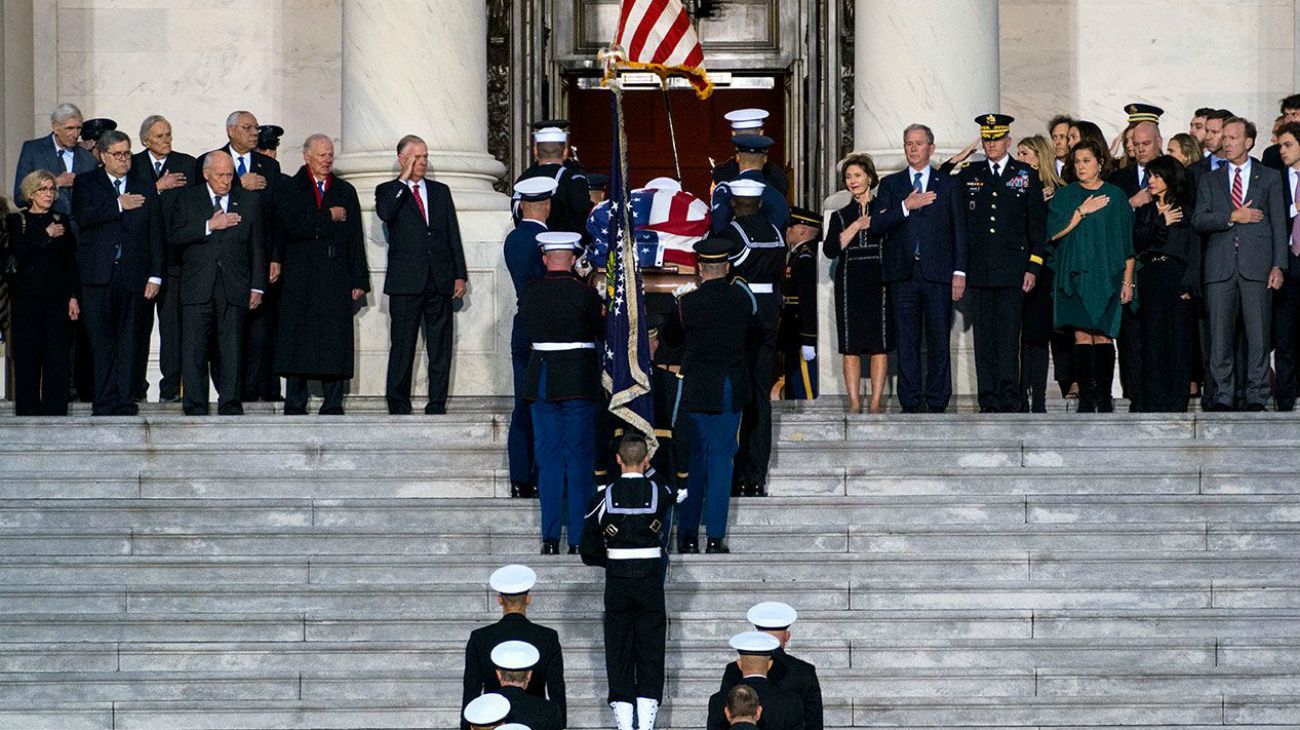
x=166 y=573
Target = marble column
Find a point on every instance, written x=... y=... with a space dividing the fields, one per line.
x=413 y=67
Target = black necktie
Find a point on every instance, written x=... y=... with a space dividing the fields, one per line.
x=216 y=204
x=996 y=169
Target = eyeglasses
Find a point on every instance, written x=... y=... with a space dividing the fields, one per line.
x=45 y=189
x=119 y=155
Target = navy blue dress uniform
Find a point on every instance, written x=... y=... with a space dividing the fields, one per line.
x=750 y=121
x=572 y=199
x=531 y=711
x=712 y=324
x=758 y=258
x=789 y=673
x=797 y=333
x=782 y=710
x=672 y=460
x=524 y=262
x=1006 y=232
x=775 y=208
x=564 y=320
x=480 y=675
x=624 y=533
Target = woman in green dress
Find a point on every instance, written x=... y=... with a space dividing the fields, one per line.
x=1092 y=228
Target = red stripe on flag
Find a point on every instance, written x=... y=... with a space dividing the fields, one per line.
x=642 y=33
x=669 y=44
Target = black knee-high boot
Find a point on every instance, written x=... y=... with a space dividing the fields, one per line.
x=1081 y=360
x=1103 y=373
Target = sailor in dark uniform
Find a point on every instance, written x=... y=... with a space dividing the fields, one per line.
x=671 y=463
x=750 y=121
x=598 y=184
x=791 y=674
x=711 y=324
x=796 y=338
x=782 y=710
x=512 y=584
x=751 y=151
x=758 y=258
x=564 y=319
x=1006 y=235
x=624 y=533
x=485 y=712
x=572 y=200
x=524 y=265
x=514 y=661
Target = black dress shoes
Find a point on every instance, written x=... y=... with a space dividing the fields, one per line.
x=716 y=545
x=688 y=544
x=550 y=547
x=522 y=490
x=573 y=549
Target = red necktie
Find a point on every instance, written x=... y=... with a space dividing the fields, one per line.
x=1236 y=189
x=419 y=202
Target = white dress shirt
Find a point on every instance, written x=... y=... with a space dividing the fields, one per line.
x=1060 y=166
x=1001 y=164
x=65 y=154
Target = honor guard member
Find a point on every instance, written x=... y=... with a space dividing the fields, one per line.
x=268 y=139
x=751 y=151
x=514 y=661
x=485 y=712
x=624 y=532
x=758 y=257
x=796 y=339
x=672 y=460
x=563 y=318
x=598 y=183
x=712 y=324
x=512 y=584
x=572 y=200
x=524 y=265
x=782 y=710
x=92 y=130
x=1006 y=235
x=571 y=160
x=750 y=121
x=791 y=674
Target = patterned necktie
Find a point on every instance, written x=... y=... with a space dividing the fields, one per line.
x=242 y=170
x=1237 y=199
x=117 y=185
x=419 y=202
x=320 y=185
x=117 y=252
x=916 y=182
x=157 y=169
x=216 y=204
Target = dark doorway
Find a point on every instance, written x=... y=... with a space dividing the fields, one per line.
x=701 y=131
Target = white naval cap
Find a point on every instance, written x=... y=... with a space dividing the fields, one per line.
x=515 y=655
x=663 y=183
x=558 y=241
x=512 y=579
x=772 y=615
x=514 y=726
x=746 y=118
x=536 y=188
x=550 y=134
x=744 y=188
x=487 y=710
x=755 y=642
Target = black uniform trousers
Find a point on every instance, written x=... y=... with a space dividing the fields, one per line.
x=755 y=450
x=218 y=323
x=995 y=318
x=1166 y=321
x=635 y=632
x=259 y=379
x=41 y=336
x=111 y=311
x=1130 y=347
x=430 y=311
x=1286 y=342
x=297 y=393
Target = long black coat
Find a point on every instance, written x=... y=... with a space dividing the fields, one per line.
x=323 y=262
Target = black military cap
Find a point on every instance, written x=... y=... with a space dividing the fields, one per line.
x=752 y=143
x=597 y=180
x=541 y=124
x=1143 y=113
x=713 y=250
x=804 y=217
x=93 y=129
x=994 y=126
x=268 y=136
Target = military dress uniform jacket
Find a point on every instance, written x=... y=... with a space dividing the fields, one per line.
x=480 y=672
x=628 y=515
x=759 y=256
x=793 y=675
x=799 y=290
x=1007 y=223
x=773 y=174
x=782 y=710
x=562 y=315
x=534 y=712
x=572 y=199
x=712 y=325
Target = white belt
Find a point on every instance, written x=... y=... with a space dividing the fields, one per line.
x=633 y=553
x=559 y=346
x=762 y=288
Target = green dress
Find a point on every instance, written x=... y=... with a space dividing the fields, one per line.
x=1089 y=262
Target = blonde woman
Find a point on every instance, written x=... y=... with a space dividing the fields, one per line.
x=1037 y=335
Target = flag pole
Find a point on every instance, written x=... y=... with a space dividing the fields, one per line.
x=672 y=128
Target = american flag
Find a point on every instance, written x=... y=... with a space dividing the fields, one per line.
x=667 y=223
x=627 y=347
x=657 y=36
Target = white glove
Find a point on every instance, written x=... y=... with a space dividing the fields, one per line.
x=681 y=496
x=684 y=289
x=808 y=353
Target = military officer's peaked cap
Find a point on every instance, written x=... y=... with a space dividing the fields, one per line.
x=772 y=615
x=755 y=642
x=994 y=126
x=512 y=580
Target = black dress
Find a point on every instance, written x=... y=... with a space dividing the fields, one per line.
x=46 y=278
x=864 y=311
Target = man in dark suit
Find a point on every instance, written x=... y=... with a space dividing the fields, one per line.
x=218 y=233
x=1006 y=233
x=1212 y=140
x=924 y=262
x=426 y=275
x=120 y=254
x=512 y=584
x=1211 y=137
x=790 y=673
x=1290 y=109
x=170 y=171
x=1286 y=303
x=1239 y=207
x=261 y=174
x=781 y=709
x=59 y=153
